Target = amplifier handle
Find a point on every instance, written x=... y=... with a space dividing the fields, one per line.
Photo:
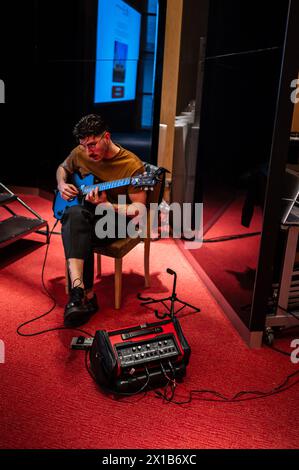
x=136 y=333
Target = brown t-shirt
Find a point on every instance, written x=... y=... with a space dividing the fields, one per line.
x=123 y=165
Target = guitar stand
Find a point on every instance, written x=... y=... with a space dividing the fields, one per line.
x=173 y=298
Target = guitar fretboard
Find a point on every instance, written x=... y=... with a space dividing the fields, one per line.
x=105 y=186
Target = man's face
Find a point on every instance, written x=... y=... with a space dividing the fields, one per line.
x=96 y=146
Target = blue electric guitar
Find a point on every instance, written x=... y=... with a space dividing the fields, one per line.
x=146 y=180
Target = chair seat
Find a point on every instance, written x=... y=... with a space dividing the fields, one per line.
x=118 y=248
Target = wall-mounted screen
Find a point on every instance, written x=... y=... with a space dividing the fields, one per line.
x=117 y=51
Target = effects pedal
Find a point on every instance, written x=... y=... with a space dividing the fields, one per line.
x=81 y=342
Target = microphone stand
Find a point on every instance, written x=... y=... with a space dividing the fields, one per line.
x=173 y=298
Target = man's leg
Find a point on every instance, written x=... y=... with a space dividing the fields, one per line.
x=88 y=275
x=77 y=229
x=81 y=273
x=75 y=269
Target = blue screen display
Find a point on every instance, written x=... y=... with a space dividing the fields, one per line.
x=117 y=51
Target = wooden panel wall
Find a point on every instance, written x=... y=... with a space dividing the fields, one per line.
x=170 y=77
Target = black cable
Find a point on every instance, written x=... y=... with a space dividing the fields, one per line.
x=237 y=397
x=230 y=237
x=285 y=353
x=243 y=395
x=219 y=397
x=48 y=294
x=170 y=383
x=168 y=399
x=173 y=381
x=288 y=311
x=172 y=369
x=51 y=329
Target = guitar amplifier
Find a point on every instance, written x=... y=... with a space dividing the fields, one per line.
x=139 y=357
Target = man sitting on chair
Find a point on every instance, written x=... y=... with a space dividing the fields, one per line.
x=96 y=154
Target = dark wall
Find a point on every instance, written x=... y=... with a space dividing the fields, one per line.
x=45 y=69
x=194 y=26
x=17 y=61
x=47 y=63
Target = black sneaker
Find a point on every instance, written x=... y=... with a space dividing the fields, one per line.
x=76 y=312
x=92 y=304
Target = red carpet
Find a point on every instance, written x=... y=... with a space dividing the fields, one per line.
x=48 y=400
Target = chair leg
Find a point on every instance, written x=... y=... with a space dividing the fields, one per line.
x=118 y=282
x=99 y=266
x=67 y=279
x=147 y=278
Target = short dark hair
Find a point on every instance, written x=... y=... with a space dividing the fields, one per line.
x=92 y=124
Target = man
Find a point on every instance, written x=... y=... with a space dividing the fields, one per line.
x=96 y=154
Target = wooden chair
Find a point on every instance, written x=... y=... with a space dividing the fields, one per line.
x=120 y=248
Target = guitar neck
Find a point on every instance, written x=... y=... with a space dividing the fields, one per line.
x=105 y=186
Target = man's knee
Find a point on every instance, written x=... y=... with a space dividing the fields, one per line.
x=77 y=214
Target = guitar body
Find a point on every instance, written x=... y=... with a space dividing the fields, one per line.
x=59 y=204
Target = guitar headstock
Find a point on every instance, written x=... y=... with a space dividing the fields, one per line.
x=147 y=180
